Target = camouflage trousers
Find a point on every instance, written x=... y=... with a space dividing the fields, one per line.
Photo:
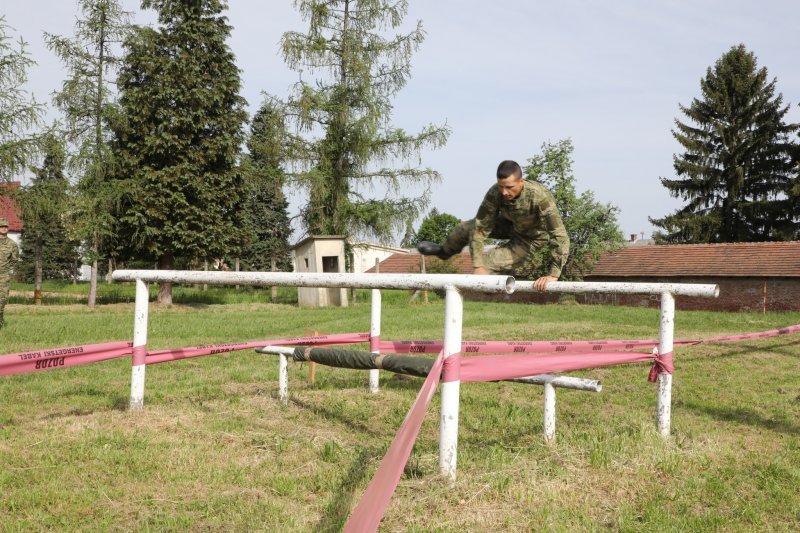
x=506 y=258
x=4 y=282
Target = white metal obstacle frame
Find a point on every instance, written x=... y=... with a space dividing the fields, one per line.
x=452 y=284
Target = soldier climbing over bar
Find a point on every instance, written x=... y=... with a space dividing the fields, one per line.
x=520 y=211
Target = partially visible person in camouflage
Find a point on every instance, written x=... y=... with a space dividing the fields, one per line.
x=9 y=253
x=521 y=211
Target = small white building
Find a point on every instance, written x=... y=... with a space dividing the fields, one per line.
x=320 y=253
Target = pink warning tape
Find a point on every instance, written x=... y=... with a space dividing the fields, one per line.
x=161 y=356
x=370 y=509
x=22 y=362
x=500 y=367
x=17 y=363
x=520 y=347
x=495 y=347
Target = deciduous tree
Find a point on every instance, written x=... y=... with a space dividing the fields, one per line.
x=592 y=226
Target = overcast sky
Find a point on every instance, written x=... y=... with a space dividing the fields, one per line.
x=509 y=75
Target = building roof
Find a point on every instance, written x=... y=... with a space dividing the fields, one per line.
x=317 y=238
x=405 y=263
x=756 y=259
x=7 y=207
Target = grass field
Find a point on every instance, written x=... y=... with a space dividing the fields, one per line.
x=214 y=449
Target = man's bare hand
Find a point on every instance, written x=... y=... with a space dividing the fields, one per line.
x=542 y=283
x=481 y=271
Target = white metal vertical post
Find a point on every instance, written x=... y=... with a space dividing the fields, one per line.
x=549 y=413
x=138 y=359
x=448 y=422
x=665 y=345
x=375 y=336
x=283 y=379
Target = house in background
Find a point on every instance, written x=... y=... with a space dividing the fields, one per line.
x=10 y=211
x=366 y=253
x=754 y=276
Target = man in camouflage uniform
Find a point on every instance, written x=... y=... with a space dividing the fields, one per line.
x=521 y=211
x=8 y=261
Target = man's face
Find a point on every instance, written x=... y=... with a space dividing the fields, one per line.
x=4 y=231
x=511 y=186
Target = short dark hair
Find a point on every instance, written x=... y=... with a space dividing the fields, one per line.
x=508 y=168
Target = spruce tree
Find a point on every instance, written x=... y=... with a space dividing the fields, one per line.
x=266 y=206
x=178 y=138
x=358 y=68
x=47 y=250
x=87 y=100
x=737 y=174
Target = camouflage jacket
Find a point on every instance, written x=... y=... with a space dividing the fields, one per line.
x=9 y=253
x=534 y=221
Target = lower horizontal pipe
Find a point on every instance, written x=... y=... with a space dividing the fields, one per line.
x=403 y=364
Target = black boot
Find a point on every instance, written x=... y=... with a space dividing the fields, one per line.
x=432 y=248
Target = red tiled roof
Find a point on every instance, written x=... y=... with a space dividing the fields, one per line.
x=410 y=263
x=757 y=259
x=8 y=209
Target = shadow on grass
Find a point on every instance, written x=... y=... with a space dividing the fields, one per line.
x=338 y=508
x=742 y=416
x=788 y=348
x=335 y=415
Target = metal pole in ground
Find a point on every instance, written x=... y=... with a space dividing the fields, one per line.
x=549 y=413
x=666 y=337
x=448 y=422
x=375 y=336
x=138 y=359
x=283 y=379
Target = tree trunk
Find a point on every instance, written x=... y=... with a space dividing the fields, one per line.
x=274 y=268
x=93 y=285
x=37 y=273
x=165 y=288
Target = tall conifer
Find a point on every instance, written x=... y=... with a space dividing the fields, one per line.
x=737 y=173
x=348 y=147
x=179 y=136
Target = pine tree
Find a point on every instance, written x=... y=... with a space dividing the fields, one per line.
x=350 y=105
x=736 y=174
x=592 y=227
x=266 y=206
x=47 y=250
x=87 y=100
x=178 y=138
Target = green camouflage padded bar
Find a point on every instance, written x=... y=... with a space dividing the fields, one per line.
x=399 y=364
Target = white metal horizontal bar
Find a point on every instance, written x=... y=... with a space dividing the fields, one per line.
x=502 y=284
x=276 y=350
x=567 y=382
x=609 y=287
